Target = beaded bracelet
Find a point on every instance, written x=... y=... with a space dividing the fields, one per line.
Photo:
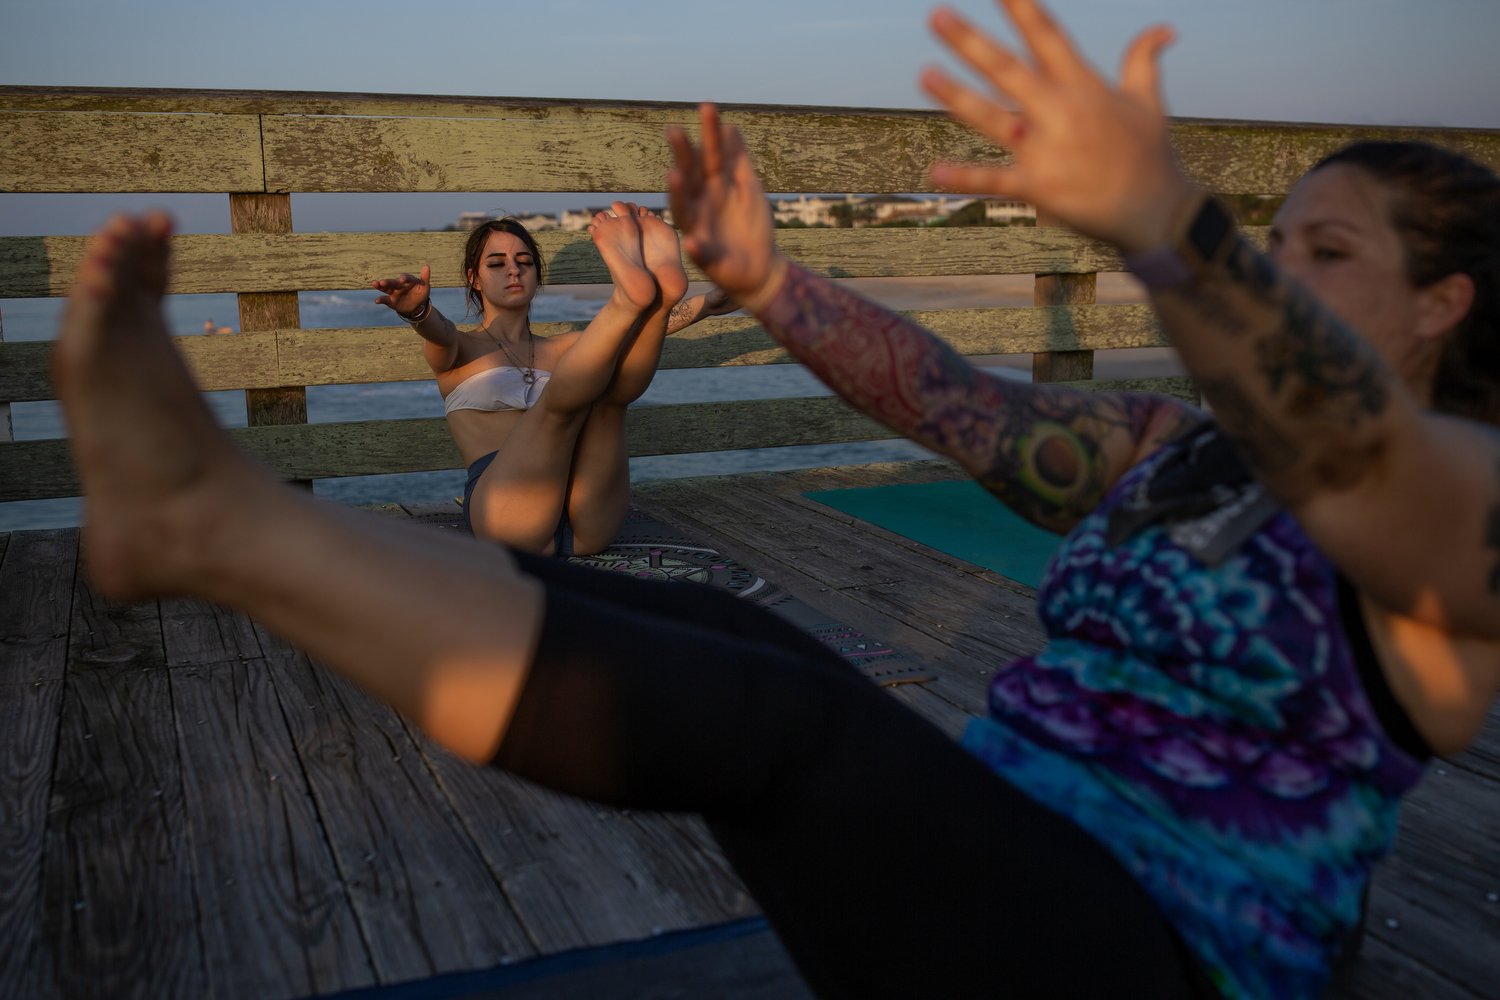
x=418 y=314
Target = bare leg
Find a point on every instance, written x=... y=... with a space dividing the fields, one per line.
x=519 y=498
x=600 y=492
x=175 y=508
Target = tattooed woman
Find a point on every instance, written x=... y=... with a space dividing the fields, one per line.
x=548 y=471
x=1259 y=626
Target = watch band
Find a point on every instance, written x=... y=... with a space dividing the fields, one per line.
x=1205 y=243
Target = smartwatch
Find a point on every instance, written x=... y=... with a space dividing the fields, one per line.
x=1206 y=243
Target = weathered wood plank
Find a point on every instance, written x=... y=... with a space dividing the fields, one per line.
x=267 y=881
x=37 y=581
x=801 y=151
x=33 y=469
x=391 y=354
x=1385 y=972
x=334 y=142
x=86 y=151
x=29 y=715
x=196 y=631
x=42 y=266
x=119 y=915
x=794 y=150
x=1431 y=899
x=115 y=631
x=415 y=878
x=579 y=874
x=1237 y=145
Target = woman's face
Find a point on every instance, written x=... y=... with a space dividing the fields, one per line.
x=1333 y=235
x=507 y=274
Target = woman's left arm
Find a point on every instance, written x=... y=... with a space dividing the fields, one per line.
x=1404 y=500
x=696 y=307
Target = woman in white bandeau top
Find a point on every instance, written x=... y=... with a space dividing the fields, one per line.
x=540 y=421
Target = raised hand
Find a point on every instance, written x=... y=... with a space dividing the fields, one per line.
x=1094 y=155
x=405 y=292
x=721 y=210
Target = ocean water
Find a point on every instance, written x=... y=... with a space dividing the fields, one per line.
x=36 y=319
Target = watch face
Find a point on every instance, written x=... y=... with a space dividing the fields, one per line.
x=1209 y=231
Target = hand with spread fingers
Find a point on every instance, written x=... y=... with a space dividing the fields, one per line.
x=405 y=292
x=721 y=210
x=1095 y=156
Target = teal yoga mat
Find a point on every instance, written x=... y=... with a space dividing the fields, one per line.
x=958 y=518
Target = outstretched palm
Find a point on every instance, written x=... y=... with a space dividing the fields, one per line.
x=405 y=292
x=1094 y=155
x=720 y=208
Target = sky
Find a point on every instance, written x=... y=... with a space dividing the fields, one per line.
x=1351 y=61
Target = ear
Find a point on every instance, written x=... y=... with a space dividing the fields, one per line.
x=1443 y=305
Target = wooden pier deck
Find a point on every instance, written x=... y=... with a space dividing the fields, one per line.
x=191 y=808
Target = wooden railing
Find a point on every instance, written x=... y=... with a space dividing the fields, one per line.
x=259 y=148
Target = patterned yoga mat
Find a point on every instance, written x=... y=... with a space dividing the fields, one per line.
x=649 y=549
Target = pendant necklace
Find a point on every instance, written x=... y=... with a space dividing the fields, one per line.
x=528 y=370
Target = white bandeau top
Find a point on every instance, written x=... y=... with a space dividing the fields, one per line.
x=496 y=389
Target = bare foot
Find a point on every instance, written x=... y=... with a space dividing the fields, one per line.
x=157 y=471
x=617 y=234
x=663 y=256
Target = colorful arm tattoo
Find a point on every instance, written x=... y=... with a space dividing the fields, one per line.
x=1048 y=452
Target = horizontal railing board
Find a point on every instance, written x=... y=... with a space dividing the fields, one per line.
x=31 y=470
x=43 y=151
x=272 y=358
x=340 y=142
x=43 y=266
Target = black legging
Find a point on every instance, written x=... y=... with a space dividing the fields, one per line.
x=890 y=861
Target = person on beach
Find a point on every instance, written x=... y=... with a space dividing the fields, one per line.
x=547 y=471
x=1259 y=626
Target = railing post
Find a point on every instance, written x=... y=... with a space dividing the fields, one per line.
x=1062 y=290
x=269 y=213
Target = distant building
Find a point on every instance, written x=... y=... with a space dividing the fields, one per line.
x=893 y=207
x=997 y=210
x=470 y=221
x=816 y=210
x=809 y=211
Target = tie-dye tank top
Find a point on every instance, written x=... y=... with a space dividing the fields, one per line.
x=1207 y=720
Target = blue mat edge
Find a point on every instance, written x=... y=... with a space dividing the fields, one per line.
x=459 y=984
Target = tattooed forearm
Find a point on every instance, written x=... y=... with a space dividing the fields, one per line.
x=684 y=314
x=1300 y=392
x=1049 y=452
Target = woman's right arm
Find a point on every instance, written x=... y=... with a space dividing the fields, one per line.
x=410 y=297
x=1049 y=452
